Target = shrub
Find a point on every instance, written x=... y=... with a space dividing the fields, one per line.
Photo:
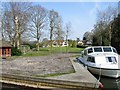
x=81 y=46
x=16 y=52
x=73 y=44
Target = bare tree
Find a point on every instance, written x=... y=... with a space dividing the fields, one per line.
x=15 y=20
x=8 y=26
x=67 y=32
x=38 y=22
x=105 y=19
x=53 y=20
x=103 y=25
x=68 y=27
x=107 y=15
x=59 y=33
x=87 y=36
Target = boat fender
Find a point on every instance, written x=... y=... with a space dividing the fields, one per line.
x=101 y=86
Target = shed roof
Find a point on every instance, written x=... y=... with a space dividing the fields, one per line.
x=4 y=44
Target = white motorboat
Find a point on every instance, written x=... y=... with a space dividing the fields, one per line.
x=101 y=60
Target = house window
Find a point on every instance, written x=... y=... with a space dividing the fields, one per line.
x=65 y=43
x=8 y=50
x=55 y=43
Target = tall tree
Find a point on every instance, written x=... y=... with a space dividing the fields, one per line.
x=15 y=20
x=68 y=27
x=37 y=22
x=59 y=33
x=103 y=25
x=87 y=36
x=116 y=34
x=53 y=21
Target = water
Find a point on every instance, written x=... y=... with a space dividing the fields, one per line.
x=110 y=83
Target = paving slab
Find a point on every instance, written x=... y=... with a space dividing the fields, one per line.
x=81 y=74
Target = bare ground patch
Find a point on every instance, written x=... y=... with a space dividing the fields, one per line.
x=38 y=66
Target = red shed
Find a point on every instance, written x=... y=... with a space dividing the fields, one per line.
x=5 y=49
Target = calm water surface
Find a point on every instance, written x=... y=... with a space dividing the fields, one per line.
x=110 y=83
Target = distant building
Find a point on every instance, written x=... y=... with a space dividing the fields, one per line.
x=87 y=42
x=57 y=43
x=80 y=42
x=5 y=49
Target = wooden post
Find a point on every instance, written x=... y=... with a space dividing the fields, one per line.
x=7 y=52
x=0 y=52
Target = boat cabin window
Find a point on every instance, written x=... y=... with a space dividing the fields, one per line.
x=82 y=53
x=107 y=49
x=111 y=59
x=90 y=50
x=114 y=50
x=97 y=49
x=91 y=59
x=85 y=52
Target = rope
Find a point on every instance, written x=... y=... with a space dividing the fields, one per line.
x=99 y=76
x=100 y=73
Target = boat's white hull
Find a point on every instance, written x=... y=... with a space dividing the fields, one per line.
x=101 y=60
x=115 y=73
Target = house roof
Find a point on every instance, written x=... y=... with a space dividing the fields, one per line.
x=4 y=44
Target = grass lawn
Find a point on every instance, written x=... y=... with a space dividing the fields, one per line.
x=48 y=51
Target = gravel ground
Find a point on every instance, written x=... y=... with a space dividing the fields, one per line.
x=37 y=66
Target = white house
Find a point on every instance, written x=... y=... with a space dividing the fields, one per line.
x=57 y=43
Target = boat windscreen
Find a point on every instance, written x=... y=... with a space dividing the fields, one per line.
x=90 y=50
x=114 y=50
x=107 y=49
x=97 y=49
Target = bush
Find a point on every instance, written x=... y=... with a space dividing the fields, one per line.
x=16 y=52
x=73 y=44
x=81 y=46
x=32 y=45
